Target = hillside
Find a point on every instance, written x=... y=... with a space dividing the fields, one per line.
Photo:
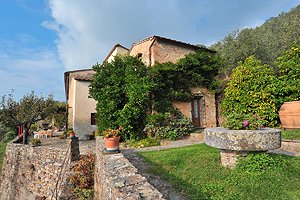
x=266 y=42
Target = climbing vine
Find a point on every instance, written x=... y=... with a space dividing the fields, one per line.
x=174 y=80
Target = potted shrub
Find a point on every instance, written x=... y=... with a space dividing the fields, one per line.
x=71 y=133
x=111 y=139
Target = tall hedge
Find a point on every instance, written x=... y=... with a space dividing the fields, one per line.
x=121 y=89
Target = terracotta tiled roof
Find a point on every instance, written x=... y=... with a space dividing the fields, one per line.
x=82 y=77
x=169 y=40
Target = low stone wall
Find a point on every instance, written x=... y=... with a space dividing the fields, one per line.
x=32 y=172
x=117 y=178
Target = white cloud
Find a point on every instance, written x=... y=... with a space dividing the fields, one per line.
x=87 y=30
x=30 y=69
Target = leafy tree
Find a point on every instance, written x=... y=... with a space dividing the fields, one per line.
x=122 y=91
x=288 y=66
x=266 y=42
x=251 y=90
x=26 y=111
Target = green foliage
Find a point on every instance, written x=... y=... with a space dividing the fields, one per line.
x=288 y=66
x=251 y=91
x=238 y=121
x=2 y=153
x=84 y=194
x=259 y=162
x=266 y=42
x=6 y=134
x=36 y=142
x=171 y=126
x=83 y=176
x=141 y=143
x=173 y=81
x=108 y=89
x=34 y=127
x=121 y=89
x=28 y=110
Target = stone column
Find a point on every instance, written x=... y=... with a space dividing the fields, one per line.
x=229 y=158
x=74 y=148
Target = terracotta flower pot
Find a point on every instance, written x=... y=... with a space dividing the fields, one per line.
x=289 y=115
x=72 y=134
x=112 y=143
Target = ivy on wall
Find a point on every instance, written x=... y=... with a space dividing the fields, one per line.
x=174 y=80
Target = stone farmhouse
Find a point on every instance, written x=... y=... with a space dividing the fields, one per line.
x=154 y=49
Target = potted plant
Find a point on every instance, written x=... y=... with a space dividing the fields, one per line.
x=111 y=139
x=71 y=132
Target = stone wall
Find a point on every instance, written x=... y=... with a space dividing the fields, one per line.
x=33 y=172
x=117 y=178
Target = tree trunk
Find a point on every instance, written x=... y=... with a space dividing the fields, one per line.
x=26 y=133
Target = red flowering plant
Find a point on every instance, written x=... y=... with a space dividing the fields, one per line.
x=244 y=121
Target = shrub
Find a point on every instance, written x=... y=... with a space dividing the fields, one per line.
x=34 y=127
x=36 y=142
x=171 y=126
x=83 y=176
x=251 y=90
x=239 y=121
x=259 y=162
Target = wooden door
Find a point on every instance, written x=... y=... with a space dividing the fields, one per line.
x=198 y=111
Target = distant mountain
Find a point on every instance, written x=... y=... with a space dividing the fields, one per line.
x=266 y=42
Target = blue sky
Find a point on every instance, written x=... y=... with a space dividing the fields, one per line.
x=41 y=39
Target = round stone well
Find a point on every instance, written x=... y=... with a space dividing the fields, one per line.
x=234 y=143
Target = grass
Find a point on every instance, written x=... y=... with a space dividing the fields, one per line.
x=2 y=152
x=291 y=134
x=197 y=173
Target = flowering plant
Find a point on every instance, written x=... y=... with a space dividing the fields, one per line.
x=244 y=121
x=110 y=133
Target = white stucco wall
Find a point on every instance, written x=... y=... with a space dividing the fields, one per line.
x=83 y=107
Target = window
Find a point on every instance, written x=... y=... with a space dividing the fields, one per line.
x=140 y=56
x=93 y=119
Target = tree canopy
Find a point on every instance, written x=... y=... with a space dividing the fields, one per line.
x=122 y=91
x=267 y=42
x=28 y=110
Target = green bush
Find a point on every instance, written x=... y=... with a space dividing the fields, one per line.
x=250 y=90
x=122 y=90
x=36 y=142
x=237 y=121
x=34 y=127
x=172 y=126
x=259 y=162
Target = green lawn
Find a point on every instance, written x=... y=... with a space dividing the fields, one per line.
x=2 y=152
x=196 y=171
x=291 y=134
